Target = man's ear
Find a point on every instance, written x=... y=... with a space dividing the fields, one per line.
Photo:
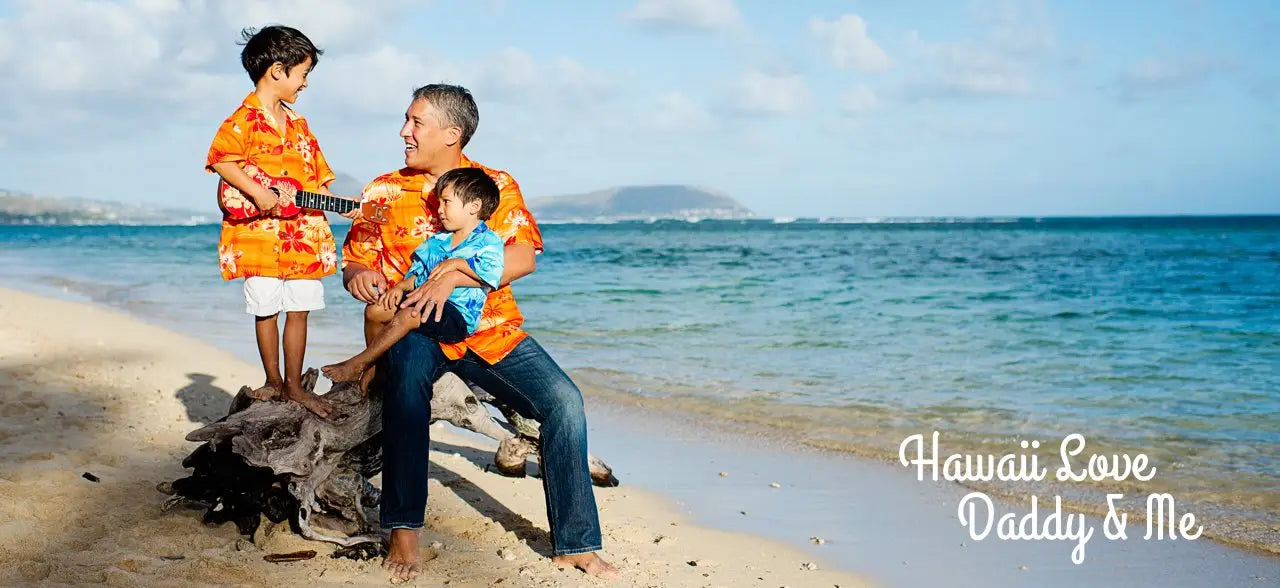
x=452 y=136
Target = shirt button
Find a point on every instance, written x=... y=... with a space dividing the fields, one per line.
x=286 y=172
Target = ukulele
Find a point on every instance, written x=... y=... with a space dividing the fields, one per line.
x=292 y=199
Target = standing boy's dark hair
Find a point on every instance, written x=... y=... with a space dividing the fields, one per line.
x=265 y=46
x=471 y=184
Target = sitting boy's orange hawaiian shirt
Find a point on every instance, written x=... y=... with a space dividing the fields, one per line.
x=388 y=248
x=300 y=247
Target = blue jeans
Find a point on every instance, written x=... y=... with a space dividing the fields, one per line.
x=527 y=380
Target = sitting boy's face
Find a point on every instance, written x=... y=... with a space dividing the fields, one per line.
x=454 y=213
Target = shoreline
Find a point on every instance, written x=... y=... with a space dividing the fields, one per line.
x=87 y=389
x=821 y=494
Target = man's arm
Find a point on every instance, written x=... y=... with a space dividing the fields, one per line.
x=433 y=293
x=519 y=260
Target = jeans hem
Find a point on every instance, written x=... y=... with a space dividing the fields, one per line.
x=576 y=551
x=414 y=526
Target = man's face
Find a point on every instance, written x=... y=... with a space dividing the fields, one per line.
x=423 y=137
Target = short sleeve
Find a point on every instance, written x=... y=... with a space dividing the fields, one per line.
x=363 y=244
x=512 y=221
x=324 y=174
x=488 y=260
x=229 y=143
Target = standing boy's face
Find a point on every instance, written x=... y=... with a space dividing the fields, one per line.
x=294 y=81
x=453 y=212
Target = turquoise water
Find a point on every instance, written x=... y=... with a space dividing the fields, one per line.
x=1159 y=335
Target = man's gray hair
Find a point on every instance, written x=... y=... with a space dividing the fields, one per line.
x=455 y=106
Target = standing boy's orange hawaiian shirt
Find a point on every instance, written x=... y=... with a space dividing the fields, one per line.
x=300 y=247
x=388 y=248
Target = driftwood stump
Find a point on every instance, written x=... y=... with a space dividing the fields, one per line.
x=276 y=459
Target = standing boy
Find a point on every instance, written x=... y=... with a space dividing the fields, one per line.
x=280 y=259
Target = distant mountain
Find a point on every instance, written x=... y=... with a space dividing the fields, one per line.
x=20 y=208
x=638 y=203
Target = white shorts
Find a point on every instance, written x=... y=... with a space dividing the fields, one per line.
x=265 y=296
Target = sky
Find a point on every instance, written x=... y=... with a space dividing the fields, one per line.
x=803 y=108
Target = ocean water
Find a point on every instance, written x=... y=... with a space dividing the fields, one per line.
x=1153 y=335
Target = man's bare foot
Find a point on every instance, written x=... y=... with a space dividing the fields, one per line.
x=346 y=371
x=268 y=391
x=311 y=402
x=590 y=563
x=403 y=561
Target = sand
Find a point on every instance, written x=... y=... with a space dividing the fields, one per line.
x=86 y=389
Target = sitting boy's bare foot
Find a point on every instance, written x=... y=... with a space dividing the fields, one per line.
x=403 y=562
x=590 y=563
x=268 y=391
x=347 y=371
x=311 y=402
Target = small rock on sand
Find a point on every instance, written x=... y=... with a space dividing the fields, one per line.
x=507 y=554
x=775 y=485
x=808 y=565
x=724 y=474
x=817 y=540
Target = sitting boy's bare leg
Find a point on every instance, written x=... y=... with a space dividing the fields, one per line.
x=295 y=343
x=268 y=335
x=352 y=369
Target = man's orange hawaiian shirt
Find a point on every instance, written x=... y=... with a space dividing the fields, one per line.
x=388 y=248
x=299 y=247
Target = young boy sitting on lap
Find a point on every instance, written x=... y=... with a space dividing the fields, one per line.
x=467 y=197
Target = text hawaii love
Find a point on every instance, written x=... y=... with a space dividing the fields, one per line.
x=977 y=511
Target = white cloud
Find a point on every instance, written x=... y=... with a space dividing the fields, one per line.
x=1156 y=74
x=965 y=70
x=858 y=100
x=764 y=93
x=688 y=15
x=675 y=111
x=848 y=44
x=325 y=22
x=1018 y=26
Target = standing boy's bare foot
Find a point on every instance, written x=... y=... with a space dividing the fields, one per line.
x=403 y=561
x=310 y=402
x=589 y=563
x=269 y=391
x=347 y=371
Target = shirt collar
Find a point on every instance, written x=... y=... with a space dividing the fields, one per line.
x=252 y=101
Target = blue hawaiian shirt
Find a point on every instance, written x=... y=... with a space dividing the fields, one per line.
x=483 y=252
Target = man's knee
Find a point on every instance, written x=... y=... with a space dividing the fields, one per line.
x=411 y=362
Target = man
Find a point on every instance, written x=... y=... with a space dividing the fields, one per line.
x=499 y=356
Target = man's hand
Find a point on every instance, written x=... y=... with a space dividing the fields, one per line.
x=452 y=264
x=429 y=298
x=367 y=286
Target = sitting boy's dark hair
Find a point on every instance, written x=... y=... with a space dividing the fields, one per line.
x=471 y=184
x=263 y=47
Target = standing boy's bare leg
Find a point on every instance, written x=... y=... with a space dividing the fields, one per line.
x=401 y=323
x=295 y=343
x=268 y=334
